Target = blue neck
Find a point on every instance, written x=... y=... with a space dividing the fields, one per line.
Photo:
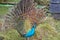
x=31 y=32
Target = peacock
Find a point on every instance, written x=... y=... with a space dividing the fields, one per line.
x=25 y=9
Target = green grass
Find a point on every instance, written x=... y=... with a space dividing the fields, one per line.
x=10 y=0
x=13 y=0
x=3 y=10
x=11 y=35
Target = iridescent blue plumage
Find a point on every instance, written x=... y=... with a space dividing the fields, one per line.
x=31 y=32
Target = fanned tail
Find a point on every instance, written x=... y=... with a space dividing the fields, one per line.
x=15 y=18
x=21 y=11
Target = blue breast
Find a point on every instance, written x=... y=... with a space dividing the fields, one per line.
x=31 y=32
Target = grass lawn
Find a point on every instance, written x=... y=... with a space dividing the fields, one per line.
x=4 y=10
x=13 y=0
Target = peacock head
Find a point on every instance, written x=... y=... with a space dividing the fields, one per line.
x=34 y=25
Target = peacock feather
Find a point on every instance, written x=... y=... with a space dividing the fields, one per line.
x=24 y=15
